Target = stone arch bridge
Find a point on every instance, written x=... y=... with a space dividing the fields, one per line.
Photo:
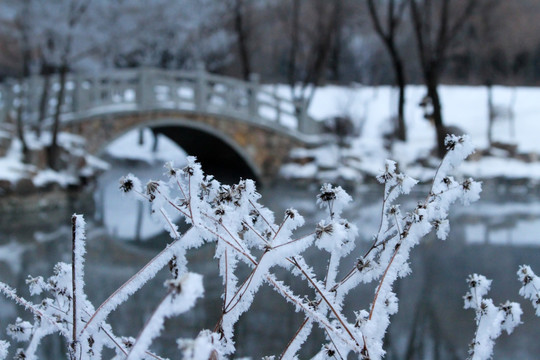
x=242 y=126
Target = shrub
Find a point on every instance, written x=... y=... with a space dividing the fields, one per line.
x=245 y=232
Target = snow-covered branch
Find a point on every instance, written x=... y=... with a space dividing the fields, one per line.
x=246 y=233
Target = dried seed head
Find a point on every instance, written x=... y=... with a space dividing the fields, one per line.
x=225 y=194
x=329 y=351
x=174 y=285
x=20 y=355
x=327 y=196
x=362 y=265
x=311 y=303
x=327 y=193
x=151 y=187
x=220 y=211
x=447 y=181
x=254 y=215
x=171 y=171
x=290 y=213
x=91 y=341
x=128 y=342
x=126 y=184
x=323 y=229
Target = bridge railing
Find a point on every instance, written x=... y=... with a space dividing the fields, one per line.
x=153 y=89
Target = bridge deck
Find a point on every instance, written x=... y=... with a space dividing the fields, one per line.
x=147 y=89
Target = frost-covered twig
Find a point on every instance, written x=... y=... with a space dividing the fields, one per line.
x=530 y=286
x=491 y=320
x=147 y=272
x=77 y=281
x=245 y=232
x=182 y=294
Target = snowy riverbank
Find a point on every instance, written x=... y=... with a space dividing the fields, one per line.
x=370 y=108
x=465 y=107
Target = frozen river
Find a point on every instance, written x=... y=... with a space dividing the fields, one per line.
x=492 y=237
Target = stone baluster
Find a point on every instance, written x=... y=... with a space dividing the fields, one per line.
x=306 y=125
x=144 y=89
x=200 y=88
x=77 y=94
x=10 y=98
x=301 y=114
x=96 y=91
x=3 y=103
x=277 y=105
x=253 y=93
x=33 y=86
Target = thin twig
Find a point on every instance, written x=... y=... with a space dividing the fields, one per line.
x=74 y=281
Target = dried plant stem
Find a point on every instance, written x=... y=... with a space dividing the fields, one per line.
x=323 y=321
x=321 y=294
x=294 y=240
x=170 y=202
x=74 y=282
x=148 y=271
x=10 y=293
x=217 y=235
x=256 y=233
x=148 y=321
x=381 y=282
x=306 y=320
x=264 y=219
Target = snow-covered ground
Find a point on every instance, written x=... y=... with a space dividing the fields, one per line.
x=13 y=169
x=463 y=106
x=127 y=147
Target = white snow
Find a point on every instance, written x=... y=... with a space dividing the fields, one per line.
x=370 y=108
x=12 y=168
x=127 y=147
x=465 y=107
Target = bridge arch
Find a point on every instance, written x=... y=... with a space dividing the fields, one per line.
x=243 y=149
x=220 y=155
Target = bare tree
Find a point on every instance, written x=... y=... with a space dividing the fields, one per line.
x=310 y=46
x=24 y=33
x=63 y=45
x=387 y=33
x=241 y=26
x=436 y=26
x=488 y=26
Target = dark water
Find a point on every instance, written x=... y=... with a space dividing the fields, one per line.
x=492 y=237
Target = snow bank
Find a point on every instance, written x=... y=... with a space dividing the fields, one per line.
x=465 y=107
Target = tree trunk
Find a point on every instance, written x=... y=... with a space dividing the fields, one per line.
x=20 y=132
x=388 y=38
x=241 y=34
x=433 y=93
x=295 y=28
x=43 y=102
x=335 y=56
x=141 y=137
x=401 y=131
x=54 y=153
x=491 y=113
x=155 y=143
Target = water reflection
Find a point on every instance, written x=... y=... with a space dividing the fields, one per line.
x=492 y=237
